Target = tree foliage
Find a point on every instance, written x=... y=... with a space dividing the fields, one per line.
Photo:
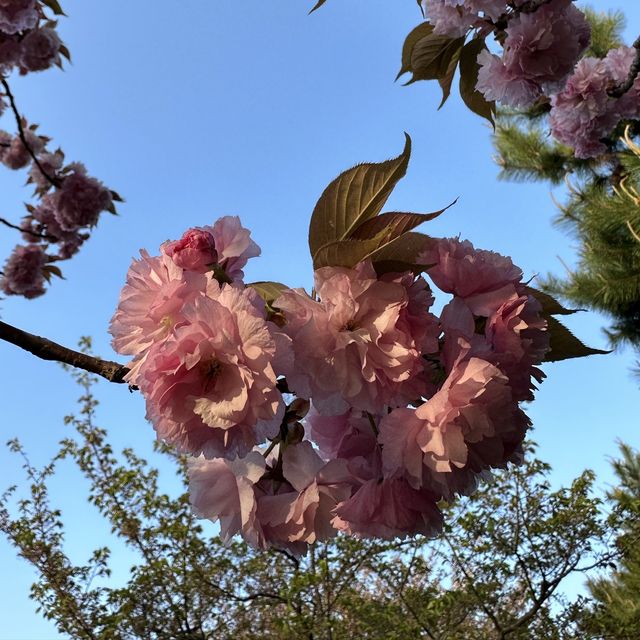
x=496 y=572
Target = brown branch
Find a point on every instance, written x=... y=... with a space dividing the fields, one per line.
x=531 y=6
x=622 y=88
x=23 y=137
x=48 y=350
x=35 y=234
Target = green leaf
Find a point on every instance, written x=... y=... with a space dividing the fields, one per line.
x=355 y=196
x=347 y=253
x=564 y=345
x=423 y=30
x=432 y=55
x=54 y=5
x=318 y=5
x=429 y=56
x=469 y=68
x=550 y=306
x=401 y=254
x=446 y=80
x=268 y=291
x=395 y=224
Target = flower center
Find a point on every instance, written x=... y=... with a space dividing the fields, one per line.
x=210 y=370
x=352 y=325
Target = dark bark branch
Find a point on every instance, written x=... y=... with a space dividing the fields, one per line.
x=621 y=89
x=531 y=6
x=35 y=234
x=23 y=137
x=48 y=350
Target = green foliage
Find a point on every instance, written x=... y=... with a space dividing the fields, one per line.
x=615 y=613
x=430 y=56
x=495 y=573
x=606 y=31
x=527 y=153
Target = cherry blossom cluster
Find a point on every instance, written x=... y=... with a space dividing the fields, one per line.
x=69 y=201
x=355 y=409
x=28 y=38
x=542 y=45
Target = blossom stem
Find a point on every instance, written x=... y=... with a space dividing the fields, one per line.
x=35 y=234
x=49 y=350
x=373 y=424
x=23 y=137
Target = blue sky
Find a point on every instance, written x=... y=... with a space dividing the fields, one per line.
x=194 y=110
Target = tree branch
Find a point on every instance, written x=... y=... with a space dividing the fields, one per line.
x=621 y=89
x=23 y=137
x=48 y=350
x=35 y=234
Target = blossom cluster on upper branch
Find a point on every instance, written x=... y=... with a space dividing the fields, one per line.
x=68 y=200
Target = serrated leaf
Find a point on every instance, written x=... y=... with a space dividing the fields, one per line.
x=51 y=270
x=401 y=251
x=347 y=253
x=447 y=79
x=65 y=52
x=54 y=5
x=423 y=30
x=355 y=196
x=469 y=68
x=395 y=224
x=432 y=55
x=370 y=237
x=268 y=290
x=564 y=345
x=318 y=5
x=550 y=305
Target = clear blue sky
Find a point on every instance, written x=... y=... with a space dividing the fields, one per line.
x=193 y=110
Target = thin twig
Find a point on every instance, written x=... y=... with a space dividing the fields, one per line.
x=35 y=234
x=48 y=350
x=23 y=137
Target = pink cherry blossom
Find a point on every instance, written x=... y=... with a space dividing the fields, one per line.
x=224 y=490
x=17 y=156
x=80 y=199
x=10 y=50
x=195 y=251
x=51 y=163
x=18 y=15
x=234 y=246
x=583 y=114
x=474 y=404
x=216 y=365
x=303 y=514
x=456 y=267
x=40 y=50
x=449 y=19
x=347 y=436
x=540 y=51
x=23 y=274
x=151 y=303
x=355 y=347
x=387 y=509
